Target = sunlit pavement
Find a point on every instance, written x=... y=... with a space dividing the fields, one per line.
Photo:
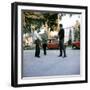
x=51 y=64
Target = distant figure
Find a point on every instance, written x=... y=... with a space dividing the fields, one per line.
x=44 y=37
x=37 y=41
x=44 y=42
x=61 y=41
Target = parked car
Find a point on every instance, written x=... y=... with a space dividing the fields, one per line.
x=53 y=44
x=76 y=44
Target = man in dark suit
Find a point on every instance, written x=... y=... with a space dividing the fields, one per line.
x=61 y=41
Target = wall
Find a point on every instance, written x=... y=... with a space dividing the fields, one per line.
x=5 y=46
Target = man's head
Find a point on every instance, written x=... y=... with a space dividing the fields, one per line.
x=61 y=26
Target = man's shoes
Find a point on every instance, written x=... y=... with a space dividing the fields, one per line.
x=45 y=54
x=60 y=56
x=64 y=56
x=37 y=56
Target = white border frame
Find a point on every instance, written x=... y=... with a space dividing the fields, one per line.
x=82 y=48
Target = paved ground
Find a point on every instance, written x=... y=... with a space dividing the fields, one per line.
x=51 y=64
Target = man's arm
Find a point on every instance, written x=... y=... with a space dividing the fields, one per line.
x=38 y=36
x=41 y=31
x=63 y=33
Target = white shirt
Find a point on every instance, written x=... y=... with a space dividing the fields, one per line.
x=36 y=36
x=41 y=31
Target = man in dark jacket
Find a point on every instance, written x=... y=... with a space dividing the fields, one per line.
x=61 y=41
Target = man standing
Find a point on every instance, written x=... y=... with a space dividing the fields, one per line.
x=61 y=41
x=44 y=42
x=37 y=41
x=44 y=38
